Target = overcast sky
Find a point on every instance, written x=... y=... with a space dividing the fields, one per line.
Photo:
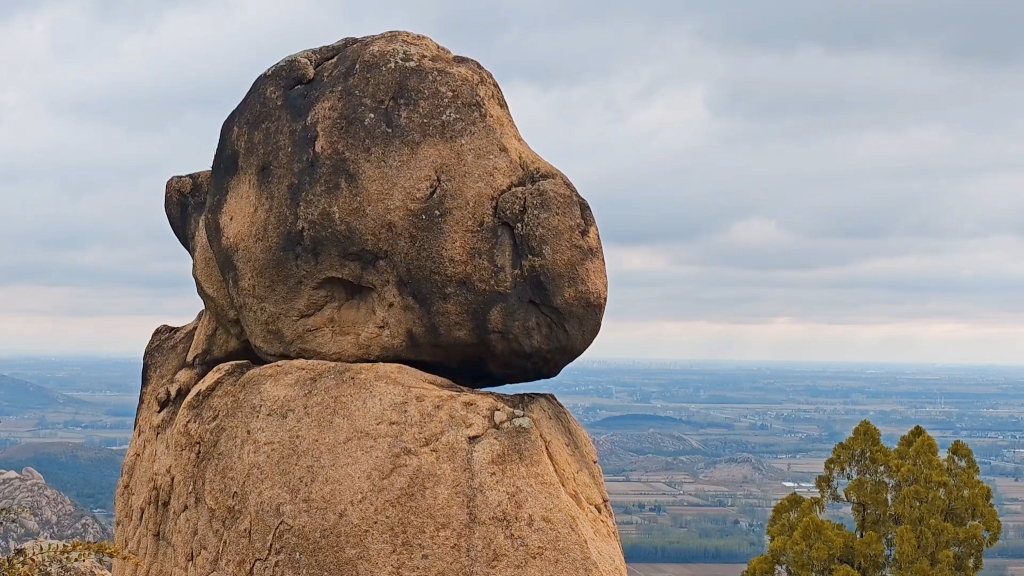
x=772 y=180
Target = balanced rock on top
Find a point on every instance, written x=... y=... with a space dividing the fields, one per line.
x=373 y=201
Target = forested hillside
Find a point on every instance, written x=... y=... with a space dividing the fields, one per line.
x=86 y=474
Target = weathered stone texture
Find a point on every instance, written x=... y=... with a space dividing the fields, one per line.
x=372 y=201
x=373 y=243
x=312 y=467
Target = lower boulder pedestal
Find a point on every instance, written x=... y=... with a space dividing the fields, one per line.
x=311 y=467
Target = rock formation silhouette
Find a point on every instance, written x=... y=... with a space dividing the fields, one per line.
x=373 y=243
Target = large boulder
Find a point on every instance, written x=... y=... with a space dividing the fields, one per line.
x=373 y=201
x=324 y=468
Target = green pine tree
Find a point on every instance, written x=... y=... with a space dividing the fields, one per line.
x=915 y=514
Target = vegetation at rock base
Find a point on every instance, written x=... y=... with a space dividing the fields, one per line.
x=915 y=513
x=53 y=558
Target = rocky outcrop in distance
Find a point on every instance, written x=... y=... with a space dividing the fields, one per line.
x=42 y=513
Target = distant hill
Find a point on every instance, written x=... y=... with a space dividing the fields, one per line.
x=18 y=397
x=78 y=374
x=86 y=474
x=618 y=448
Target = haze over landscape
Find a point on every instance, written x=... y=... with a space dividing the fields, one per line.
x=808 y=274
x=773 y=182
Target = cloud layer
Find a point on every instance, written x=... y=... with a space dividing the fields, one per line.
x=772 y=180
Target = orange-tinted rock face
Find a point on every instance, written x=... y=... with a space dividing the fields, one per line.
x=372 y=201
x=372 y=229
x=325 y=468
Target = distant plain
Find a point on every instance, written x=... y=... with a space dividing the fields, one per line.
x=694 y=454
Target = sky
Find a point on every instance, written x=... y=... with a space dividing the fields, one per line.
x=782 y=180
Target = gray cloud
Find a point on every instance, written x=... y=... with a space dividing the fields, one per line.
x=747 y=161
x=975 y=31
